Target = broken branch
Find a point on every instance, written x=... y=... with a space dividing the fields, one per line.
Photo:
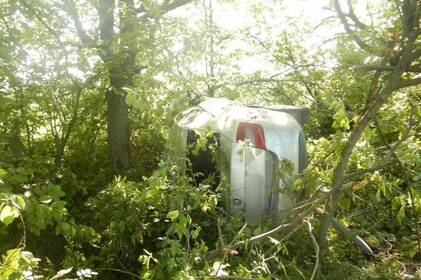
x=316 y=249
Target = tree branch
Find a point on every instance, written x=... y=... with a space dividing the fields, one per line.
x=416 y=54
x=409 y=83
x=405 y=176
x=367 y=170
x=374 y=86
x=42 y=21
x=392 y=85
x=354 y=18
x=175 y=4
x=56 y=37
x=316 y=249
x=387 y=68
x=84 y=38
x=120 y=271
x=342 y=229
x=222 y=251
x=164 y=8
x=348 y=29
x=388 y=158
x=252 y=82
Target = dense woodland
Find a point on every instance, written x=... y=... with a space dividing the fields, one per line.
x=89 y=90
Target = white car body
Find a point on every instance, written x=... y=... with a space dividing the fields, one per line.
x=254 y=142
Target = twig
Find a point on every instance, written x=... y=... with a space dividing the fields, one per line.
x=232 y=277
x=252 y=82
x=345 y=231
x=23 y=239
x=232 y=247
x=120 y=271
x=316 y=249
x=360 y=172
x=163 y=9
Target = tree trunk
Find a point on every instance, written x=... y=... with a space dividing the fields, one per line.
x=118 y=131
x=121 y=67
x=118 y=51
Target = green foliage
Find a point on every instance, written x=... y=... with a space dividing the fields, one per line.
x=63 y=214
x=17 y=264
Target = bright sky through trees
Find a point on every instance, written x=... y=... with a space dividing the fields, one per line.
x=313 y=17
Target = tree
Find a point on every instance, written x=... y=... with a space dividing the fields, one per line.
x=398 y=76
x=118 y=51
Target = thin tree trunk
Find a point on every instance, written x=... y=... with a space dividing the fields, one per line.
x=69 y=129
x=394 y=83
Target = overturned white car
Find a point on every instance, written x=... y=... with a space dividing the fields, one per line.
x=261 y=149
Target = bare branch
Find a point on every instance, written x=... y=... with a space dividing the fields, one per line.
x=342 y=229
x=321 y=23
x=120 y=271
x=348 y=29
x=263 y=45
x=354 y=18
x=316 y=249
x=249 y=241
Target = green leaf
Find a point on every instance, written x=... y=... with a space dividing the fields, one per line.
x=65 y=226
x=46 y=199
x=172 y=215
x=8 y=214
x=2 y=172
x=396 y=202
x=18 y=201
x=182 y=221
x=19 y=178
x=340 y=118
x=21 y=201
x=401 y=214
x=132 y=99
x=55 y=191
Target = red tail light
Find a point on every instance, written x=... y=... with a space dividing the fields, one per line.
x=251 y=132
